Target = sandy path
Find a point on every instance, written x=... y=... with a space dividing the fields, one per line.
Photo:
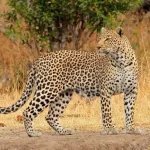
x=18 y=140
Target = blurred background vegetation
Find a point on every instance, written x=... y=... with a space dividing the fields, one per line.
x=49 y=25
x=52 y=23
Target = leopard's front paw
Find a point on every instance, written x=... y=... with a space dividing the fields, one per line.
x=131 y=130
x=109 y=131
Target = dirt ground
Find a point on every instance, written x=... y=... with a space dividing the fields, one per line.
x=18 y=140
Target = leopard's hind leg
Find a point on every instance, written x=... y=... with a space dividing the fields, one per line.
x=57 y=108
x=36 y=106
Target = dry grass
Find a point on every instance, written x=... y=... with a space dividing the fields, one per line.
x=81 y=114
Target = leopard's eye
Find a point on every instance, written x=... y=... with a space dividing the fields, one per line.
x=109 y=37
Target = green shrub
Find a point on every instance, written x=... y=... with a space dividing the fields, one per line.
x=52 y=23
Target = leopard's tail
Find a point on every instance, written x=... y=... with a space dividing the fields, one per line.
x=25 y=96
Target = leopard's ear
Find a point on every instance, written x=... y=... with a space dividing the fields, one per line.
x=103 y=29
x=119 y=30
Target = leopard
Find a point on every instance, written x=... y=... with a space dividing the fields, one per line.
x=109 y=70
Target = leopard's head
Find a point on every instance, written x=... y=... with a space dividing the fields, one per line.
x=110 y=41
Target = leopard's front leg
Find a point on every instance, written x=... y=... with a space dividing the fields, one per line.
x=129 y=105
x=106 y=115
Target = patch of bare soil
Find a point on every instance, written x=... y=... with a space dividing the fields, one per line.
x=18 y=140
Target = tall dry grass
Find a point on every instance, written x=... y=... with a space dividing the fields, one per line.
x=80 y=114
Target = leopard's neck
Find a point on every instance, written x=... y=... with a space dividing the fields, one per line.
x=124 y=56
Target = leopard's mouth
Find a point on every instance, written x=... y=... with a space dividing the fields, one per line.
x=102 y=51
x=105 y=52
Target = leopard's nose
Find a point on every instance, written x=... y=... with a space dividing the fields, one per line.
x=99 y=47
